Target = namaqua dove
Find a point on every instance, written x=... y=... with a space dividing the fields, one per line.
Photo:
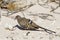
x=29 y=24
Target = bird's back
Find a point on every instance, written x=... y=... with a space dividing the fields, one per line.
x=22 y=21
x=25 y=23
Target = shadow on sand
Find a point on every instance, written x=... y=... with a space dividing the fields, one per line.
x=21 y=28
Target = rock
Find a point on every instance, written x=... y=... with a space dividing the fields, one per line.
x=42 y=2
x=38 y=9
x=53 y=5
x=57 y=11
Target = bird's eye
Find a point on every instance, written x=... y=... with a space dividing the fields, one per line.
x=30 y=21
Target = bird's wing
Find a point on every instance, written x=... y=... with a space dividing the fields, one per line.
x=34 y=25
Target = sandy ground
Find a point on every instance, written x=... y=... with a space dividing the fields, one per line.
x=33 y=13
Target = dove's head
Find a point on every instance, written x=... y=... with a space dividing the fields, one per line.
x=17 y=17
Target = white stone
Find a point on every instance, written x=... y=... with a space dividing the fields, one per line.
x=8 y=26
x=8 y=22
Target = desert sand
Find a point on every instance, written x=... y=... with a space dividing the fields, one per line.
x=35 y=13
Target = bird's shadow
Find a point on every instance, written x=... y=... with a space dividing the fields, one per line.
x=21 y=28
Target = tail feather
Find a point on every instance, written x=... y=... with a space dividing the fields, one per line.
x=47 y=30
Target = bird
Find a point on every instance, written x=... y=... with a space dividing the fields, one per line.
x=28 y=24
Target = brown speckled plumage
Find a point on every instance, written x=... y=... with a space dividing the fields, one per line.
x=26 y=23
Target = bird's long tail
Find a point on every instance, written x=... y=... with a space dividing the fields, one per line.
x=47 y=30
